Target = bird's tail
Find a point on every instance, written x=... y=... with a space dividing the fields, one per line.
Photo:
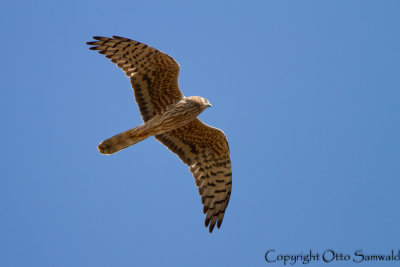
x=123 y=140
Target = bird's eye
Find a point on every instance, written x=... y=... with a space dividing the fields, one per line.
x=205 y=101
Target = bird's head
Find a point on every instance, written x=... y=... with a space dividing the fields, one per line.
x=200 y=101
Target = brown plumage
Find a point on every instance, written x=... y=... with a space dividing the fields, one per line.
x=172 y=119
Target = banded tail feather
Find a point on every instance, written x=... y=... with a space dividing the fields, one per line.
x=123 y=140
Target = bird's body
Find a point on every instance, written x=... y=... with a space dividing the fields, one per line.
x=172 y=119
x=175 y=116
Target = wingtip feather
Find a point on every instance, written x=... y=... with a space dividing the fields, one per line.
x=220 y=221
x=211 y=228
x=100 y=38
x=120 y=38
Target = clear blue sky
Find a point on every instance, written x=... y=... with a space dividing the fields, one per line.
x=308 y=93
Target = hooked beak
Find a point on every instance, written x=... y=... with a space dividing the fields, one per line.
x=209 y=105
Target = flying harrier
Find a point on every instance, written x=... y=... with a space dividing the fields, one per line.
x=172 y=119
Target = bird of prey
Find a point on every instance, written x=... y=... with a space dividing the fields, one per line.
x=171 y=118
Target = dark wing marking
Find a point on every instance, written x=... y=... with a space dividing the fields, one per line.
x=205 y=149
x=153 y=74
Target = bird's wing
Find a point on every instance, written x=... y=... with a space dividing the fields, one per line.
x=153 y=74
x=205 y=149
